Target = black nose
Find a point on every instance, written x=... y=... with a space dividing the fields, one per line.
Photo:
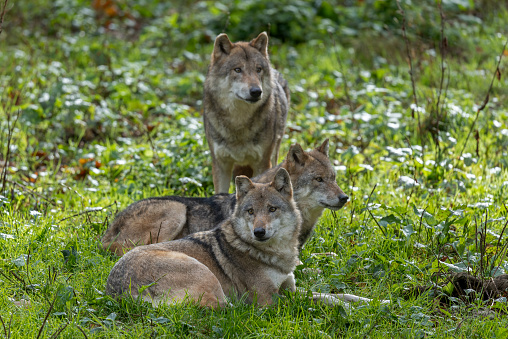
x=255 y=92
x=343 y=198
x=259 y=232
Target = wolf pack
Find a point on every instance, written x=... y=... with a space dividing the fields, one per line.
x=241 y=246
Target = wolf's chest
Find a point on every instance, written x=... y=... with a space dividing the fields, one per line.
x=276 y=277
x=239 y=153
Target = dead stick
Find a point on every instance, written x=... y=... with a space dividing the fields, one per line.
x=2 y=15
x=85 y=212
x=31 y=191
x=497 y=72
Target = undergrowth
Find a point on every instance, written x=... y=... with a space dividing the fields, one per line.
x=100 y=107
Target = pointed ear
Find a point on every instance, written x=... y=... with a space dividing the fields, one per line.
x=243 y=186
x=324 y=147
x=261 y=43
x=282 y=183
x=296 y=155
x=222 y=46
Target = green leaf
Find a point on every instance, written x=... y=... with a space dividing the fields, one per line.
x=390 y=219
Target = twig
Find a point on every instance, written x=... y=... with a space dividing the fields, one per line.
x=381 y=228
x=3 y=325
x=408 y=52
x=2 y=16
x=370 y=195
x=443 y=44
x=10 y=130
x=84 y=334
x=57 y=333
x=31 y=191
x=155 y=158
x=368 y=201
x=10 y=323
x=420 y=227
x=344 y=80
x=86 y=212
x=497 y=73
x=46 y=317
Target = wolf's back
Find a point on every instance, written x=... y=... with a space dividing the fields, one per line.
x=160 y=219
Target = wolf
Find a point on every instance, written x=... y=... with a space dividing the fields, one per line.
x=251 y=255
x=245 y=106
x=161 y=219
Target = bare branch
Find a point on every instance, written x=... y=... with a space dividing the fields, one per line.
x=496 y=74
x=2 y=15
x=411 y=72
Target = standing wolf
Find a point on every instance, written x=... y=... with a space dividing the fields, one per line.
x=254 y=252
x=161 y=219
x=245 y=109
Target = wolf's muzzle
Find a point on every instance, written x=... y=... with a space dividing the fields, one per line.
x=259 y=233
x=255 y=92
x=343 y=198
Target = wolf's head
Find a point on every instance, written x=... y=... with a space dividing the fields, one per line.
x=313 y=179
x=241 y=71
x=266 y=212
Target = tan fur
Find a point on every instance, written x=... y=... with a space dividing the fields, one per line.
x=143 y=219
x=253 y=253
x=245 y=109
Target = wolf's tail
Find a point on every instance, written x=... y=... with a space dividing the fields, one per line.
x=284 y=84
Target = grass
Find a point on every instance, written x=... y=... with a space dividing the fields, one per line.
x=110 y=116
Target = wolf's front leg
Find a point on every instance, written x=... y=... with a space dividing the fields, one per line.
x=261 y=166
x=221 y=172
x=289 y=284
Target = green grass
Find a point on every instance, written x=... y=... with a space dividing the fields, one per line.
x=111 y=116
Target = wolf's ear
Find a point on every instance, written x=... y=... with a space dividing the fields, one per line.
x=282 y=183
x=296 y=155
x=222 y=46
x=243 y=186
x=261 y=43
x=325 y=146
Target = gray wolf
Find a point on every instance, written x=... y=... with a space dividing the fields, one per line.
x=251 y=254
x=161 y=219
x=245 y=107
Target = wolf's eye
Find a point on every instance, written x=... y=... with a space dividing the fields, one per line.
x=250 y=211
x=319 y=179
x=272 y=209
x=238 y=70
x=259 y=69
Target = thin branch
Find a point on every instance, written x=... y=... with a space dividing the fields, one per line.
x=381 y=228
x=344 y=80
x=370 y=195
x=84 y=334
x=86 y=212
x=443 y=44
x=46 y=317
x=497 y=73
x=3 y=325
x=2 y=15
x=411 y=73
x=26 y=189
x=10 y=130
x=57 y=333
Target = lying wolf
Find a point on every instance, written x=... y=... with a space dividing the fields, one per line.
x=254 y=252
x=161 y=219
x=245 y=106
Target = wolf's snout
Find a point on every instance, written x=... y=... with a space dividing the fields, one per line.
x=259 y=232
x=255 y=92
x=343 y=198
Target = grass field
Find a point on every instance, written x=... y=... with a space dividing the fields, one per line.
x=101 y=106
